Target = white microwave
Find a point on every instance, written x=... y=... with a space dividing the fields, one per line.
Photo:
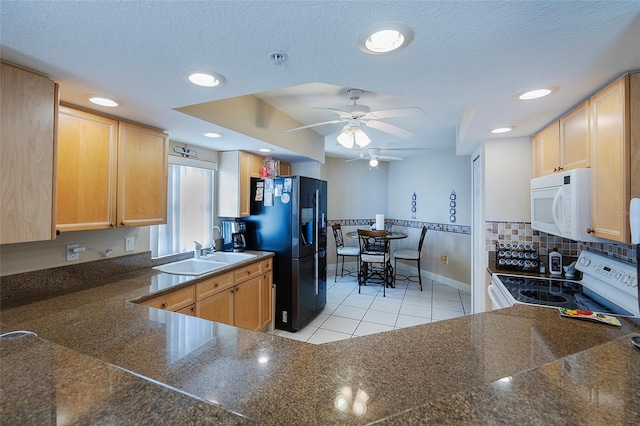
x=561 y=204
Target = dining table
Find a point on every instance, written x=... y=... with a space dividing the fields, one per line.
x=392 y=235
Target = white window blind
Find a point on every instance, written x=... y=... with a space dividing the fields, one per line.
x=189 y=211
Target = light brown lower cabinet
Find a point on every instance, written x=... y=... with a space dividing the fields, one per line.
x=218 y=308
x=241 y=298
x=188 y=310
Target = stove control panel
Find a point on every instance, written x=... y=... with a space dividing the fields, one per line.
x=618 y=274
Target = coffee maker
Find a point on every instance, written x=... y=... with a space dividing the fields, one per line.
x=233 y=232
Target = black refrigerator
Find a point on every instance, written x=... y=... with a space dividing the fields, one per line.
x=289 y=217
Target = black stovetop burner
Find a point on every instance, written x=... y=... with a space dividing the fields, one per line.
x=558 y=293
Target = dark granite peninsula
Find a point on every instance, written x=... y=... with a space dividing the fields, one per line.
x=98 y=358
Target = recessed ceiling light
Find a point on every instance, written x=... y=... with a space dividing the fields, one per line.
x=384 y=37
x=540 y=92
x=265 y=150
x=503 y=129
x=212 y=135
x=207 y=80
x=99 y=100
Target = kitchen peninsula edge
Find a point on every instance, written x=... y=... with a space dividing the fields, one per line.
x=99 y=357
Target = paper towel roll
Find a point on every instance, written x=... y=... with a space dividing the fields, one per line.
x=379 y=222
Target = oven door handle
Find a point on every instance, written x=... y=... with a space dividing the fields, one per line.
x=496 y=301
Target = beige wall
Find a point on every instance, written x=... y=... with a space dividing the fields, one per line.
x=16 y=258
x=432 y=176
x=354 y=190
x=508 y=170
x=353 y=194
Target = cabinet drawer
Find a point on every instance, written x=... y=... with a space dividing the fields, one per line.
x=247 y=272
x=173 y=301
x=214 y=285
x=188 y=310
x=267 y=265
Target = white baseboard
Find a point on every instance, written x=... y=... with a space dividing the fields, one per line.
x=409 y=270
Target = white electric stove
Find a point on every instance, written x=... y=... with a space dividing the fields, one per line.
x=608 y=286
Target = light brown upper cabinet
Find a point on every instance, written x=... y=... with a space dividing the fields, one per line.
x=234 y=180
x=615 y=174
x=547 y=150
x=575 y=143
x=564 y=144
x=27 y=149
x=285 y=169
x=110 y=173
x=142 y=176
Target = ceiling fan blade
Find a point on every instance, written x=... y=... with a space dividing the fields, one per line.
x=355 y=159
x=337 y=111
x=396 y=112
x=314 y=125
x=386 y=157
x=389 y=128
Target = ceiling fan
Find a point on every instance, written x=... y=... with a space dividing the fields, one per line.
x=355 y=115
x=373 y=155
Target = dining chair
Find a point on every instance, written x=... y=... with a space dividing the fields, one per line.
x=415 y=255
x=342 y=250
x=375 y=260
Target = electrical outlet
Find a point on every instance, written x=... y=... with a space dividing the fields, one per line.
x=129 y=244
x=71 y=255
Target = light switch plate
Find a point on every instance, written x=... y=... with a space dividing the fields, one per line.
x=129 y=243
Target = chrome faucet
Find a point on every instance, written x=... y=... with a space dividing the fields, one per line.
x=217 y=242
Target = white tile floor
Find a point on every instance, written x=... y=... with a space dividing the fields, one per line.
x=349 y=314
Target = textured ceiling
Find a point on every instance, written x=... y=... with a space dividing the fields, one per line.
x=466 y=58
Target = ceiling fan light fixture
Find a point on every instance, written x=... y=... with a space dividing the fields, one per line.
x=345 y=138
x=384 y=37
x=373 y=162
x=361 y=138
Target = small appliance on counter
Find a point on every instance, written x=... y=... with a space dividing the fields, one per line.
x=233 y=232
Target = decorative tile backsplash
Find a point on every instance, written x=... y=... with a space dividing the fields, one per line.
x=521 y=232
x=443 y=227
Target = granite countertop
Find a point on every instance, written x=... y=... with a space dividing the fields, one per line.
x=99 y=358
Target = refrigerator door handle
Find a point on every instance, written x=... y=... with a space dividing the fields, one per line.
x=317 y=231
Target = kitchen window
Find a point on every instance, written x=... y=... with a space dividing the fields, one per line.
x=190 y=208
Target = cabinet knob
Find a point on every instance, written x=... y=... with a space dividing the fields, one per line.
x=112 y=225
x=58 y=232
x=122 y=224
x=216 y=285
x=555 y=169
x=164 y=305
x=560 y=169
x=590 y=231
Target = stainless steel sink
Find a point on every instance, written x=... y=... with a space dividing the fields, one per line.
x=193 y=267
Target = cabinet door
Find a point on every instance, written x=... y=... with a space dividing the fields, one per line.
x=574 y=138
x=218 y=308
x=265 y=299
x=142 y=176
x=86 y=171
x=247 y=304
x=255 y=166
x=550 y=149
x=285 y=169
x=535 y=156
x=245 y=183
x=28 y=113
x=610 y=176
